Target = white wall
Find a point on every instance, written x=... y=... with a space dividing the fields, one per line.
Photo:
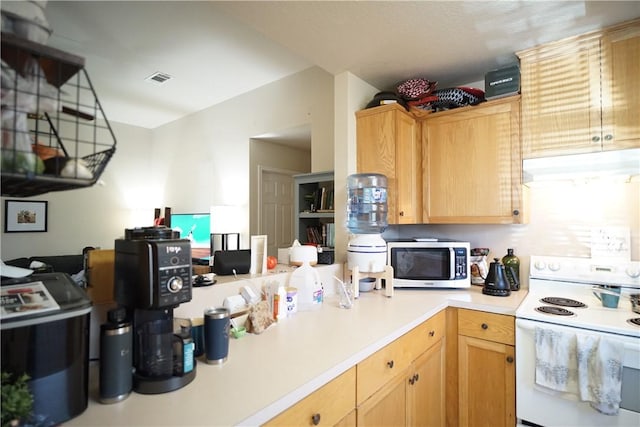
x=214 y=169
x=188 y=165
x=93 y=216
x=351 y=95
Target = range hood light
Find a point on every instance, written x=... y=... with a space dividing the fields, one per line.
x=619 y=165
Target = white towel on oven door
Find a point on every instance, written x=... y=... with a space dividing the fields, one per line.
x=600 y=372
x=556 y=361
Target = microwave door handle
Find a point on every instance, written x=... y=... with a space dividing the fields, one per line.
x=452 y=264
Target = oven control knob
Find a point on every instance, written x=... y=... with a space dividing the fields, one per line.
x=540 y=265
x=554 y=266
x=633 y=272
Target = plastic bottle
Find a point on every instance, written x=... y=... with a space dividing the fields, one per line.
x=367 y=203
x=310 y=292
x=512 y=269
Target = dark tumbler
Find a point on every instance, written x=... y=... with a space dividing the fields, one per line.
x=216 y=335
x=116 y=339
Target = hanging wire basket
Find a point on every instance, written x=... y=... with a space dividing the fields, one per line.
x=55 y=135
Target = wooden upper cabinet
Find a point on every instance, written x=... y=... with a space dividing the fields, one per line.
x=387 y=143
x=621 y=87
x=473 y=165
x=582 y=94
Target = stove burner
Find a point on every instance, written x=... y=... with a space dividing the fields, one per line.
x=634 y=321
x=563 y=302
x=556 y=311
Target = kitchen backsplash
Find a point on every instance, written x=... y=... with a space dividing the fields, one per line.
x=562 y=217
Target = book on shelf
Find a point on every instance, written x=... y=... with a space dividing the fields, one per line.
x=323 y=235
x=324 y=199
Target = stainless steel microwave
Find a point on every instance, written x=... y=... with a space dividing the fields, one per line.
x=429 y=263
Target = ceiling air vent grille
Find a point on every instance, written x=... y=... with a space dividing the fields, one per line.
x=158 y=78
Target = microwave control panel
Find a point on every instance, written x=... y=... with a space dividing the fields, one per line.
x=461 y=263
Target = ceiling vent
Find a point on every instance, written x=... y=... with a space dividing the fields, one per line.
x=158 y=78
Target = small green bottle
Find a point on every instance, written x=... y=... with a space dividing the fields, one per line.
x=512 y=269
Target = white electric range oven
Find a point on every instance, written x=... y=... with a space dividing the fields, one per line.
x=566 y=340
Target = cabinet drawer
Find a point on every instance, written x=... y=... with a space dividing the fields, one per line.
x=487 y=326
x=324 y=407
x=425 y=335
x=391 y=360
x=381 y=367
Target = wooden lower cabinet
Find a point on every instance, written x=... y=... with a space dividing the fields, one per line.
x=388 y=406
x=402 y=384
x=331 y=405
x=426 y=396
x=414 y=394
x=486 y=369
x=348 y=421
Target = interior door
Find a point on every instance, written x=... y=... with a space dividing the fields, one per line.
x=276 y=210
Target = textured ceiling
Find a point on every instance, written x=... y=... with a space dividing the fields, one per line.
x=217 y=50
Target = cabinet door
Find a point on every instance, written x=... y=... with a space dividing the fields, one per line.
x=408 y=173
x=383 y=366
x=387 y=144
x=473 y=165
x=348 y=421
x=560 y=86
x=486 y=383
x=621 y=88
x=426 y=397
x=386 y=407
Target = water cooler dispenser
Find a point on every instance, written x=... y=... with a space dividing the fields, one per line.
x=367 y=220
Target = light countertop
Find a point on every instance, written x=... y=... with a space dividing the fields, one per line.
x=267 y=373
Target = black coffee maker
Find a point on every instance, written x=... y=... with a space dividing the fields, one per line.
x=152 y=277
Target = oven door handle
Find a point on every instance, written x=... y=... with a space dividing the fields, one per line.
x=532 y=328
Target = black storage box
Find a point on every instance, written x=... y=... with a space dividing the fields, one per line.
x=49 y=342
x=326 y=256
x=226 y=263
x=502 y=82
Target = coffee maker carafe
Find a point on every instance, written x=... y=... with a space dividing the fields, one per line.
x=152 y=278
x=496 y=283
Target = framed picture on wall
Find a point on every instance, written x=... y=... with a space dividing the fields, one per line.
x=25 y=216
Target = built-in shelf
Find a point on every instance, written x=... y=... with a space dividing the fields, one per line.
x=314 y=209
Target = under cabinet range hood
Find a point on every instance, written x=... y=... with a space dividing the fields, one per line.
x=618 y=164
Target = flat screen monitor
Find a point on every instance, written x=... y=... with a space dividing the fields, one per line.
x=195 y=227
